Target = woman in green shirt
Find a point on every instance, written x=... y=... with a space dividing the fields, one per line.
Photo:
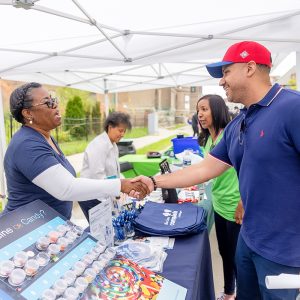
x=213 y=117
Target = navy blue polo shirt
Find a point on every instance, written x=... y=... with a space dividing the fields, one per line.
x=27 y=156
x=263 y=145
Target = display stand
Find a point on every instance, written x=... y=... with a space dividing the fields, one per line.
x=36 y=228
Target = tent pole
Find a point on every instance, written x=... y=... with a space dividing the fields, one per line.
x=106 y=100
x=2 y=150
x=298 y=70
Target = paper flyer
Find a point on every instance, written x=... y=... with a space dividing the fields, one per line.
x=101 y=222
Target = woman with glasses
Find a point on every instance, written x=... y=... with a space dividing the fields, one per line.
x=35 y=166
x=213 y=117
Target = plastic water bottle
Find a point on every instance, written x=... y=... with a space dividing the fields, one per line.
x=187 y=159
x=201 y=191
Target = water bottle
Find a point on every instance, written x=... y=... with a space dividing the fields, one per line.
x=201 y=191
x=187 y=159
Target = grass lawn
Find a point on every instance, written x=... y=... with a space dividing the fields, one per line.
x=78 y=146
x=159 y=146
x=69 y=148
x=136 y=133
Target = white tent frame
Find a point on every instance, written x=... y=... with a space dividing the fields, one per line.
x=129 y=74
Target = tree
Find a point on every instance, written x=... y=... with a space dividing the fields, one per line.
x=75 y=120
x=96 y=118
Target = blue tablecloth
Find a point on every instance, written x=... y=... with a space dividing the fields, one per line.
x=189 y=264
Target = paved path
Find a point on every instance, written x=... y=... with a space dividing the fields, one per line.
x=76 y=159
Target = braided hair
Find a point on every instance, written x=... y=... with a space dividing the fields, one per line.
x=21 y=98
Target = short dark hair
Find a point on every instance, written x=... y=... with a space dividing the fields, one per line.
x=115 y=119
x=264 y=68
x=220 y=116
x=21 y=98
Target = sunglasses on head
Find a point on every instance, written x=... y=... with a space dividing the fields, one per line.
x=51 y=102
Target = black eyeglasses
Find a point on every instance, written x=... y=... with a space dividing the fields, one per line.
x=242 y=131
x=51 y=102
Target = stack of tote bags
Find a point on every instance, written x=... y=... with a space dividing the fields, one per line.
x=167 y=219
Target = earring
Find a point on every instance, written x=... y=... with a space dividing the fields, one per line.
x=30 y=121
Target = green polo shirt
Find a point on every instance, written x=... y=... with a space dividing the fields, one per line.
x=225 y=188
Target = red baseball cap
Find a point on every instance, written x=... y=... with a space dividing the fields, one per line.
x=242 y=52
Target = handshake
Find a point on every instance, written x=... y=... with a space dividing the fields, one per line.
x=138 y=187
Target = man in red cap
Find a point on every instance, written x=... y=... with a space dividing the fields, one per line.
x=263 y=144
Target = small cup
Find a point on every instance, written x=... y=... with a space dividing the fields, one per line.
x=71 y=293
x=98 y=266
x=62 y=243
x=79 y=267
x=78 y=230
x=42 y=243
x=110 y=252
x=69 y=277
x=71 y=236
x=62 y=229
x=53 y=236
x=42 y=258
x=6 y=267
x=20 y=259
x=98 y=249
x=81 y=284
x=48 y=294
x=53 y=249
x=87 y=259
x=17 y=277
x=31 y=267
x=93 y=255
x=89 y=274
x=60 y=286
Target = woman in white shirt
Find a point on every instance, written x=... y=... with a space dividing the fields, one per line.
x=101 y=156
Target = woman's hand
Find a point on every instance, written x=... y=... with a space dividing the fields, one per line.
x=137 y=189
x=239 y=213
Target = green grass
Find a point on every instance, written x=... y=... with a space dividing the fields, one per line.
x=69 y=148
x=158 y=146
x=136 y=132
x=78 y=146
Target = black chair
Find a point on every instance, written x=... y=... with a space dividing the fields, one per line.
x=127 y=166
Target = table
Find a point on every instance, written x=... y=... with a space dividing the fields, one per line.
x=141 y=164
x=189 y=264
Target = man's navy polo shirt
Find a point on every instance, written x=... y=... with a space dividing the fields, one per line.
x=263 y=144
x=27 y=156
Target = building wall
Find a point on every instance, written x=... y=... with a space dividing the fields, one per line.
x=169 y=102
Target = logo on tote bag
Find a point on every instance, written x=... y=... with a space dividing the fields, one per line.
x=172 y=216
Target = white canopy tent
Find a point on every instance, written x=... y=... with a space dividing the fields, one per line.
x=111 y=46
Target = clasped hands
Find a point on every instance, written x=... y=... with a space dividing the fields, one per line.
x=138 y=187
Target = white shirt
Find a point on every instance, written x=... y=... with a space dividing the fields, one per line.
x=101 y=158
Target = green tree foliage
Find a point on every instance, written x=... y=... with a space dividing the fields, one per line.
x=292 y=82
x=64 y=94
x=75 y=118
x=96 y=118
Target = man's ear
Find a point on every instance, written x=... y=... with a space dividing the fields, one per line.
x=251 y=68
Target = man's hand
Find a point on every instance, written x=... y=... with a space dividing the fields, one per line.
x=239 y=213
x=137 y=190
x=145 y=180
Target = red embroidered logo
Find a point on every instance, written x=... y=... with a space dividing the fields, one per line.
x=262 y=133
